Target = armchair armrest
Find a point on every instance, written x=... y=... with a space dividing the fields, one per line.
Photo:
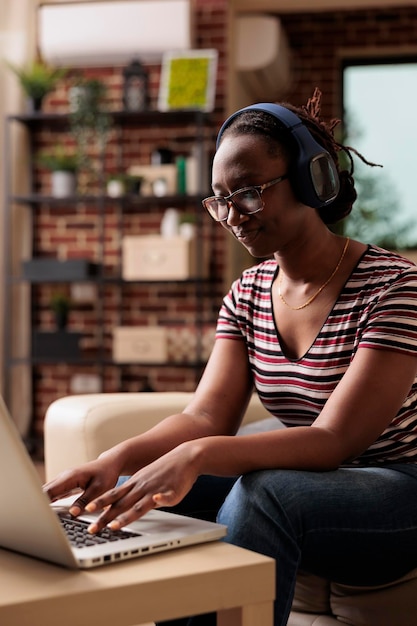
x=78 y=428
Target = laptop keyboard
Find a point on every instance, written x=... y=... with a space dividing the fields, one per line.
x=79 y=537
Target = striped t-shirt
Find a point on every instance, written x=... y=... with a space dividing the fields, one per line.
x=377 y=308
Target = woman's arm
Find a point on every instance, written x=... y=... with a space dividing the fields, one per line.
x=363 y=404
x=217 y=408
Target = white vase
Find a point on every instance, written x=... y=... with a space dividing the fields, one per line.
x=62 y=184
x=115 y=188
x=170 y=223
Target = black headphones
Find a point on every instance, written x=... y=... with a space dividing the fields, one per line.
x=315 y=178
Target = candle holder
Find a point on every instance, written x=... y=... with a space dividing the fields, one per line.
x=135 y=87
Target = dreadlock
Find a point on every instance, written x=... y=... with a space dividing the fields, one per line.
x=277 y=138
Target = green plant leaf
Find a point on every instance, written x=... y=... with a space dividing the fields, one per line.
x=59 y=160
x=38 y=78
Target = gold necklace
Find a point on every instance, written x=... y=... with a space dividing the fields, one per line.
x=324 y=285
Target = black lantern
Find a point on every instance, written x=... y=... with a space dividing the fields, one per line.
x=135 y=88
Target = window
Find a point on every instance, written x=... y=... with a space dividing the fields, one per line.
x=379 y=101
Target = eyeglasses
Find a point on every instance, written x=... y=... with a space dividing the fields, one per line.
x=246 y=201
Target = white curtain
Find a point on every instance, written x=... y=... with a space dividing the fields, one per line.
x=17 y=45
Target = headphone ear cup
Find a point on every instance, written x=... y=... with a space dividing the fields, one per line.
x=325 y=178
x=315 y=179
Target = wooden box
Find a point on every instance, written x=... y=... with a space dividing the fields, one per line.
x=140 y=344
x=152 y=257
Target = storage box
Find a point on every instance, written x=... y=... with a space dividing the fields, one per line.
x=136 y=344
x=54 y=270
x=152 y=257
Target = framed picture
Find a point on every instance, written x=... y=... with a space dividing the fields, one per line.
x=188 y=80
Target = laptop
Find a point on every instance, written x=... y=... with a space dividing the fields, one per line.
x=31 y=525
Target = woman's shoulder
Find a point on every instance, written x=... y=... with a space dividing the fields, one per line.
x=264 y=270
x=382 y=273
x=378 y=256
x=379 y=264
x=256 y=279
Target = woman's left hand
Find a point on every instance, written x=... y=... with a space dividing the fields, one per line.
x=164 y=482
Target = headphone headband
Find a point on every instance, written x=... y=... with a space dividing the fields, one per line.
x=315 y=177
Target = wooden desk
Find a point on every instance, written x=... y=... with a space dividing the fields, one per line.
x=237 y=583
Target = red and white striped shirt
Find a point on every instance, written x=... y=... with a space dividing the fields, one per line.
x=377 y=308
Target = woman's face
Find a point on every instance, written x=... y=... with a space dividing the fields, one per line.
x=242 y=161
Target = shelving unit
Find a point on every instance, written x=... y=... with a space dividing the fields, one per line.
x=104 y=221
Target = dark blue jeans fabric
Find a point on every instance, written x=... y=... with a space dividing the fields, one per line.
x=352 y=525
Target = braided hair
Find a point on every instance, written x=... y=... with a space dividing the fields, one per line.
x=281 y=145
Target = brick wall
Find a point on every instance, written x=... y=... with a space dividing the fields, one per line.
x=319 y=42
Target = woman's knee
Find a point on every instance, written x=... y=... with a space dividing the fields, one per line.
x=270 y=501
x=259 y=501
x=257 y=489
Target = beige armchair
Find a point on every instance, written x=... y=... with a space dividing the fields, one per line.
x=78 y=428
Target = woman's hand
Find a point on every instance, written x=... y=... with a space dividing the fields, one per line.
x=163 y=482
x=92 y=479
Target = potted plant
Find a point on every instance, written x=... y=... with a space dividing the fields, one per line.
x=90 y=124
x=37 y=80
x=134 y=183
x=87 y=96
x=63 y=166
x=119 y=184
x=116 y=185
x=60 y=304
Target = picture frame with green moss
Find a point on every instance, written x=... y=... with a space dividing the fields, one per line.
x=188 y=80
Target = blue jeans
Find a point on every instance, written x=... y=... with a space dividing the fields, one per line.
x=352 y=525
x=355 y=525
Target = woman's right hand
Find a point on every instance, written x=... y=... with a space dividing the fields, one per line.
x=92 y=479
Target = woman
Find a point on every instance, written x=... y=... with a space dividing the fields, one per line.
x=325 y=330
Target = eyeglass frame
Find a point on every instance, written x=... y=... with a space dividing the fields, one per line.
x=228 y=199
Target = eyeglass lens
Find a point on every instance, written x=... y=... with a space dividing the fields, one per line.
x=246 y=201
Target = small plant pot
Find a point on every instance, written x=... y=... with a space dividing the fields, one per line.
x=116 y=188
x=61 y=319
x=34 y=105
x=63 y=184
x=134 y=185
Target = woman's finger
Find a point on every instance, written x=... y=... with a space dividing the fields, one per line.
x=108 y=498
x=166 y=498
x=115 y=518
x=65 y=486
